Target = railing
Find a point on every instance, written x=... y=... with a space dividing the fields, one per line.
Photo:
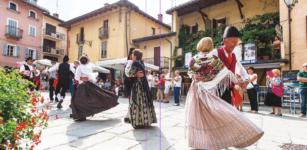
x=267 y=53
x=12 y=31
x=53 y=50
x=80 y=38
x=103 y=32
x=53 y=34
x=164 y=61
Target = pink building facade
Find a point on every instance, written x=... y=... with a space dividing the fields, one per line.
x=20 y=31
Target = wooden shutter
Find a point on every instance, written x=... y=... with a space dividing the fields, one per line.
x=26 y=52
x=32 y=31
x=214 y=23
x=13 y=27
x=104 y=46
x=36 y=54
x=157 y=56
x=18 y=51
x=4 y=49
x=188 y=30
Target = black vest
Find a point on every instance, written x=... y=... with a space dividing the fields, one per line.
x=25 y=76
x=64 y=70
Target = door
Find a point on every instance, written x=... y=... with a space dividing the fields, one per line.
x=157 y=56
x=106 y=23
x=50 y=29
x=48 y=45
x=12 y=28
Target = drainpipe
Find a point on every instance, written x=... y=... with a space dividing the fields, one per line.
x=132 y=44
x=68 y=41
x=171 y=68
x=127 y=30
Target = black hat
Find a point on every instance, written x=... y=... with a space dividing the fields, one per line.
x=53 y=61
x=130 y=52
x=231 y=31
x=29 y=58
x=6 y=67
x=65 y=59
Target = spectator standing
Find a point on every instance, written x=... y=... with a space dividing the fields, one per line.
x=100 y=83
x=277 y=48
x=177 y=85
x=271 y=98
x=117 y=85
x=168 y=85
x=302 y=77
x=161 y=88
x=149 y=78
x=251 y=91
x=107 y=85
x=241 y=93
x=154 y=86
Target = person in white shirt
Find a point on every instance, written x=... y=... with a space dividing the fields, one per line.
x=51 y=78
x=63 y=79
x=168 y=85
x=177 y=86
x=251 y=91
x=149 y=79
x=89 y=99
x=28 y=68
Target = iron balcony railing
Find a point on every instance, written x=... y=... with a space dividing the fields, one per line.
x=53 y=34
x=80 y=38
x=53 y=50
x=12 y=31
x=163 y=62
x=103 y=32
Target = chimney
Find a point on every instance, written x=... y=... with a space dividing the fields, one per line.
x=47 y=13
x=160 y=17
x=56 y=15
x=106 y=4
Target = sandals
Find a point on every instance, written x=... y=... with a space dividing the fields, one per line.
x=256 y=112
x=250 y=111
x=278 y=114
x=272 y=113
x=166 y=102
x=176 y=104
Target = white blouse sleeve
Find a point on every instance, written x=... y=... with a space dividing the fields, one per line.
x=53 y=68
x=232 y=77
x=128 y=67
x=240 y=70
x=78 y=74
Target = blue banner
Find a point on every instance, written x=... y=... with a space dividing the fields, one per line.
x=248 y=61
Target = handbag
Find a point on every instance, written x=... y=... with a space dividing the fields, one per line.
x=278 y=90
x=256 y=86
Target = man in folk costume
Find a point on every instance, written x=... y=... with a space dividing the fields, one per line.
x=28 y=68
x=226 y=54
x=63 y=76
x=51 y=77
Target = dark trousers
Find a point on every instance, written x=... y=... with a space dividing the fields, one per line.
x=71 y=87
x=176 y=94
x=303 y=94
x=62 y=84
x=51 y=89
x=227 y=95
x=252 y=96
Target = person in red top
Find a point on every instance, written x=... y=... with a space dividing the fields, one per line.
x=225 y=53
x=161 y=88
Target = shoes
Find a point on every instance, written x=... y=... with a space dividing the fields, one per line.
x=166 y=102
x=272 y=113
x=127 y=120
x=83 y=119
x=302 y=116
x=138 y=127
x=59 y=97
x=70 y=106
x=51 y=101
x=70 y=115
x=278 y=114
x=176 y=104
x=60 y=105
x=56 y=99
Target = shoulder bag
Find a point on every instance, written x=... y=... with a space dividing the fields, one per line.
x=278 y=90
x=256 y=86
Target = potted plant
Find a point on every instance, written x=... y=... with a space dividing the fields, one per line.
x=222 y=26
x=246 y=21
x=261 y=45
x=19 y=116
x=195 y=35
x=189 y=40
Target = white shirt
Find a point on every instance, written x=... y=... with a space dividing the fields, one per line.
x=56 y=67
x=250 y=86
x=154 y=80
x=240 y=70
x=85 y=71
x=178 y=84
x=38 y=73
x=168 y=83
x=22 y=68
x=150 y=78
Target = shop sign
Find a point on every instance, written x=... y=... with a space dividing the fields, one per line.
x=248 y=61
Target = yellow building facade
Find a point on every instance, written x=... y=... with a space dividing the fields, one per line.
x=108 y=31
x=55 y=38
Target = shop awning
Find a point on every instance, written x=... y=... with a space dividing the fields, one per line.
x=96 y=68
x=118 y=64
x=262 y=66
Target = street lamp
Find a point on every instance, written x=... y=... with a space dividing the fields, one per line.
x=290 y=4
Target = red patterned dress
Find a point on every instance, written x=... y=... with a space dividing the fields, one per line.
x=210 y=122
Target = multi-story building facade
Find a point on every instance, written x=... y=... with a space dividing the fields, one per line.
x=107 y=33
x=21 y=30
x=55 y=39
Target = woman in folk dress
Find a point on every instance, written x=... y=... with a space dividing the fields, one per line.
x=210 y=122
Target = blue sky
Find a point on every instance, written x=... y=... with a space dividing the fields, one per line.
x=69 y=9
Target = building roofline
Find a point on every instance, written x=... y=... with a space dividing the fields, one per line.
x=35 y=5
x=104 y=9
x=153 y=37
x=52 y=17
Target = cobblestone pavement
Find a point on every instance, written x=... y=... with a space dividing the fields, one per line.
x=107 y=131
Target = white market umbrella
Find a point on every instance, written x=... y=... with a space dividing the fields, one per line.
x=118 y=64
x=96 y=68
x=44 y=62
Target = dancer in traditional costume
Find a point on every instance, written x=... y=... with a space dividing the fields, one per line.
x=28 y=72
x=63 y=76
x=51 y=77
x=142 y=111
x=88 y=99
x=210 y=122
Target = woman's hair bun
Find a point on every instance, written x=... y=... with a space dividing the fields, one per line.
x=84 y=59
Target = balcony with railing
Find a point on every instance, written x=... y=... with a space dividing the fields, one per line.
x=163 y=62
x=58 y=51
x=53 y=34
x=14 y=32
x=103 y=32
x=80 y=38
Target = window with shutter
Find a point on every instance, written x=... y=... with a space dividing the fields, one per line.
x=32 y=31
x=13 y=6
x=104 y=49
x=26 y=52
x=10 y=50
x=4 y=49
x=12 y=27
x=36 y=54
x=18 y=51
x=32 y=14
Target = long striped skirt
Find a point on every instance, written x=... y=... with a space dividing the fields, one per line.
x=211 y=123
